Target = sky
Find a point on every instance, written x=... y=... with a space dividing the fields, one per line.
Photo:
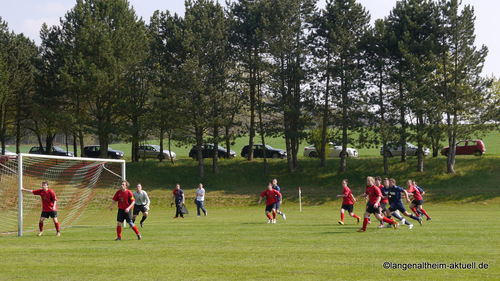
x=27 y=17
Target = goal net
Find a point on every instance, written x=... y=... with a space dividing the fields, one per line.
x=83 y=187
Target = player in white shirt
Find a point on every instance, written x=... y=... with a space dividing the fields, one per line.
x=141 y=204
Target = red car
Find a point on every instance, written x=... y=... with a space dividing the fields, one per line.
x=467 y=147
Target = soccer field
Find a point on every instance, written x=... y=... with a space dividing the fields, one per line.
x=236 y=243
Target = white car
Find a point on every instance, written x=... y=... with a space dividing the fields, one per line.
x=153 y=151
x=394 y=149
x=7 y=153
x=333 y=151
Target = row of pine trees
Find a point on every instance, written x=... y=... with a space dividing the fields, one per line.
x=250 y=68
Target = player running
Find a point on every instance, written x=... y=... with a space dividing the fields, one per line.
x=374 y=197
x=417 y=202
x=384 y=201
x=277 y=188
x=49 y=205
x=397 y=203
x=125 y=200
x=141 y=204
x=347 y=202
x=271 y=199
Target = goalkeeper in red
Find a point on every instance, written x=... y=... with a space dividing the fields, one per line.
x=271 y=201
x=49 y=205
x=125 y=200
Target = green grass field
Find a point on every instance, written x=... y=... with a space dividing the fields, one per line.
x=236 y=243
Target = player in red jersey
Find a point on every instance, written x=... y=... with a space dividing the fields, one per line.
x=271 y=201
x=347 y=202
x=417 y=202
x=384 y=201
x=374 y=196
x=125 y=200
x=49 y=205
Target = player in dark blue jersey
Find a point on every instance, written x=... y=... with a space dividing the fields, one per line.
x=385 y=192
x=396 y=202
x=277 y=188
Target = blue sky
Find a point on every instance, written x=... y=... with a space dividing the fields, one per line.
x=27 y=17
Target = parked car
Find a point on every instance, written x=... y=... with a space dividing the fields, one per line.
x=94 y=151
x=395 y=149
x=467 y=147
x=207 y=151
x=153 y=151
x=8 y=155
x=333 y=151
x=258 y=151
x=56 y=150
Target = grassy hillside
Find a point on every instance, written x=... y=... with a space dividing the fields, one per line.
x=240 y=182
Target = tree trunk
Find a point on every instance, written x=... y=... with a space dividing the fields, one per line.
x=75 y=145
x=345 y=120
x=262 y=133
x=80 y=138
x=452 y=140
x=228 y=142
x=420 y=150
x=215 y=159
x=253 y=88
x=403 y=123
x=199 y=144
x=18 y=136
x=162 y=133
x=326 y=115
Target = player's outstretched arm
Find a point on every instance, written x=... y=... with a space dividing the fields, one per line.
x=26 y=190
x=353 y=198
x=406 y=196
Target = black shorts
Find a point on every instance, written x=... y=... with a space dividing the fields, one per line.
x=270 y=207
x=49 y=214
x=397 y=207
x=139 y=208
x=372 y=210
x=383 y=206
x=348 y=207
x=417 y=202
x=122 y=216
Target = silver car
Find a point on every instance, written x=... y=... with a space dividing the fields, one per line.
x=333 y=151
x=153 y=151
x=395 y=149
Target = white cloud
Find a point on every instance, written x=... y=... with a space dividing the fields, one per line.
x=31 y=27
x=55 y=8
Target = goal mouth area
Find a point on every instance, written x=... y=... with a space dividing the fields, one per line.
x=74 y=180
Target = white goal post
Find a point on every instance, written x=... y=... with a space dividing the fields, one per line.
x=72 y=178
